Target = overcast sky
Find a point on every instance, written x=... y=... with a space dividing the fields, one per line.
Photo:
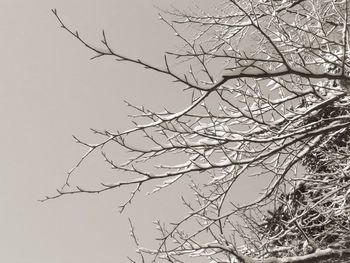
x=49 y=91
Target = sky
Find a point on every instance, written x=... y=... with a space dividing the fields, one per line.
x=49 y=91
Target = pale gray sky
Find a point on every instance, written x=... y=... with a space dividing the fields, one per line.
x=50 y=90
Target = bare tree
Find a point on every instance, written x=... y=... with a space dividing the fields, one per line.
x=269 y=88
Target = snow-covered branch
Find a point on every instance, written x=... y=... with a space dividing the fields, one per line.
x=269 y=100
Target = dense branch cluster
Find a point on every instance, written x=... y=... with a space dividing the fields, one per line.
x=330 y=155
x=315 y=212
x=268 y=82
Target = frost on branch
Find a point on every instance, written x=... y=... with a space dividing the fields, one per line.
x=269 y=99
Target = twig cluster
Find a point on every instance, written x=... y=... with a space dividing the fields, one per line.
x=268 y=82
